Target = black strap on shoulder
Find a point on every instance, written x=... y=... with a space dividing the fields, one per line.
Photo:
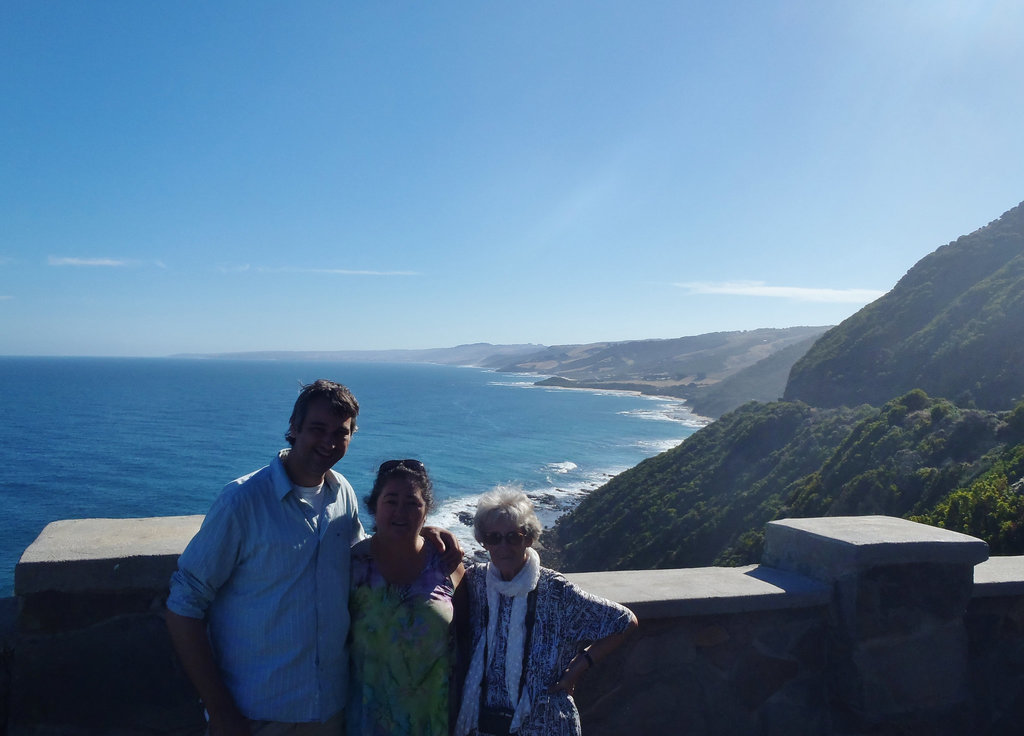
x=531 y=615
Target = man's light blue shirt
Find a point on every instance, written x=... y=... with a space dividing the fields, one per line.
x=272 y=582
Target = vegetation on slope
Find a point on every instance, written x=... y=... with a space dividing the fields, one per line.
x=953 y=326
x=762 y=381
x=992 y=507
x=707 y=501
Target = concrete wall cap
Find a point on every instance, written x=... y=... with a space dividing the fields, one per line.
x=704 y=590
x=999 y=576
x=830 y=547
x=103 y=554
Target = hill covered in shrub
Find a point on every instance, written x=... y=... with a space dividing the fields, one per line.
x=953 y=327
x=910 y=408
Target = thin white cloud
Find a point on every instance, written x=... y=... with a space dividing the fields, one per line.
x=61 y=261
x=337 y=271
x=796 y=293
x=5 y=297
x=102 y=262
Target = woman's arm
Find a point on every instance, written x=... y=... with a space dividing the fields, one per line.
x=590 y=656
x=460 y=606
x=461 y=580
x=457 y=575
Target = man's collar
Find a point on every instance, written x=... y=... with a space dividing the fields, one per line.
x=283 y=482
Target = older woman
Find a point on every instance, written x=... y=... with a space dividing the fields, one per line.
x=529 y=627
x=401 y=606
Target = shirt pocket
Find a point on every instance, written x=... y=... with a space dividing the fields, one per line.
x=279 y=554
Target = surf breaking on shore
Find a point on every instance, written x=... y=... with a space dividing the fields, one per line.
x=567 y=484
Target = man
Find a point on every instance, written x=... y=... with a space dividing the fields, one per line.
x=258 y=608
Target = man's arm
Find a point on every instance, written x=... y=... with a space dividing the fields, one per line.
x=193 y=647
x=447 y=545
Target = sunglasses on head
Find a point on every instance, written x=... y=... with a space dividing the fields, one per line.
x=512 y=539
x=408 y=463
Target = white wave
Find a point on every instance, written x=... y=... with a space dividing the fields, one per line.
x=652 y=414
x=593 y=391
x=659 y=446
x=550 y=502
x=670 y=409
x=561 y=468
x=518 y=380
x=672 y=412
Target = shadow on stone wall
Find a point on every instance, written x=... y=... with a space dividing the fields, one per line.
x=852 y=626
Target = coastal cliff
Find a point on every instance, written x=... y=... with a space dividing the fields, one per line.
x=715 y=372
x=911 y=407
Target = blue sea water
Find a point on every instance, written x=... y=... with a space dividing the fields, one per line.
x=135 y=437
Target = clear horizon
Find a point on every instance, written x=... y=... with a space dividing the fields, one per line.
x=190 y=354
x=245 y=177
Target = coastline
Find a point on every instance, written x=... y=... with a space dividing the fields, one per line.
x=137 y=422
x=650 y=389
x=683 y=391
x=552 y=503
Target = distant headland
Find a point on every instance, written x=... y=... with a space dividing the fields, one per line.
x=714 y=372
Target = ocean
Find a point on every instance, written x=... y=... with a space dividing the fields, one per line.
x=141 y=437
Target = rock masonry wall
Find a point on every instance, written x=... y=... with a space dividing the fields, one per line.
x=851 y=626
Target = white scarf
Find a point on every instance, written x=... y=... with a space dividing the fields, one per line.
x=518 y=588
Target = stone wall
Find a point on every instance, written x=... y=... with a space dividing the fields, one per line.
x=995 y=645
x=851 y=626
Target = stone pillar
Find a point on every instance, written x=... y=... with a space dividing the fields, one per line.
x=91 y=654
x=898 y=649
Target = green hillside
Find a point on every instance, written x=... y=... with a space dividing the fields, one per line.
x=953 y=326
x=909 y=408
x=706 y=502
x=765 y=380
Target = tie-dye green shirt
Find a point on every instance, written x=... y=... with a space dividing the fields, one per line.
x=401 y=650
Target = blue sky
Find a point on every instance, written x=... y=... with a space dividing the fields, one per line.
x=231 y=176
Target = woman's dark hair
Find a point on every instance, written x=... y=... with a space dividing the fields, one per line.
x=411 y=471
x=343 y=403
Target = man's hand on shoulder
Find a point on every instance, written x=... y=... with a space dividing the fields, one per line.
x=446 y=544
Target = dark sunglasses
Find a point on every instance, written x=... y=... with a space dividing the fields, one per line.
x=408 y=463
x=512 y=539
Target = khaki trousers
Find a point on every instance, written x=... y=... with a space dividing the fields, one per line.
x=334 y=727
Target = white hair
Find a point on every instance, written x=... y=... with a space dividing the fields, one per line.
x=510 y=503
